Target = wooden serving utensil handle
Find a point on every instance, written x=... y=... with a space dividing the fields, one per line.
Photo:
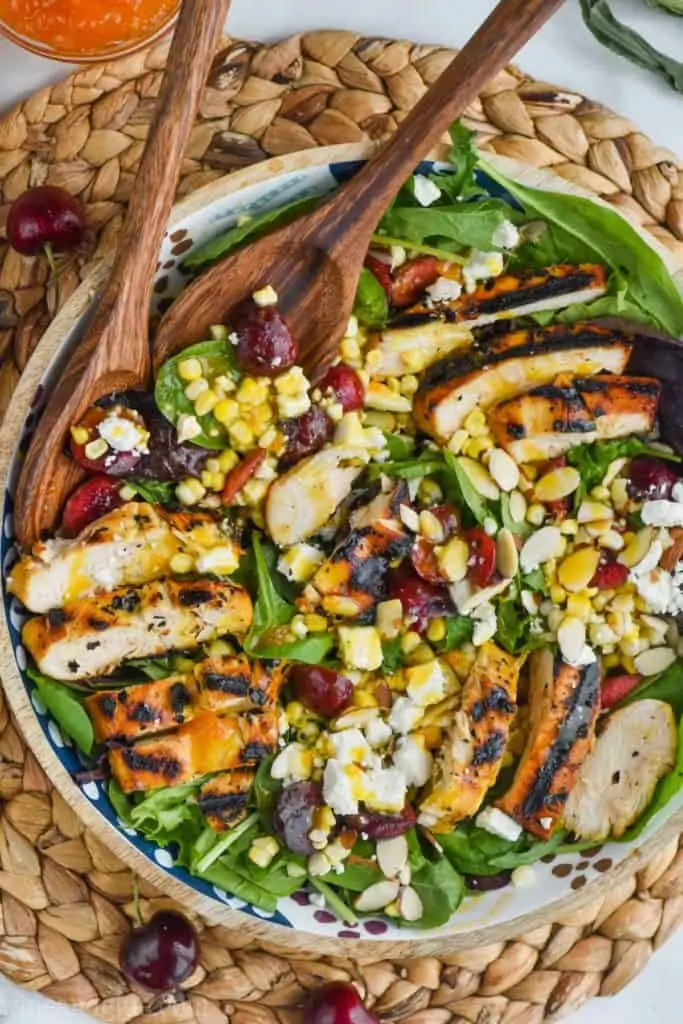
x=511 y=24
x=115 y=351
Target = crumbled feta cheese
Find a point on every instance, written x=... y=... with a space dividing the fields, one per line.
x=351 y=747
x=498 y=824
x=662 y=591
x=485 y=624
x=425 y=190
x=404 y=715
x=292 y=764
x=480 y=267
x=444 y=289
x=300 y=562
x=662 y=513
x=398 y=256
x=377 y=733
x=385 y=790
x=360 y=647
x=187 y=427
x=506 y=235
x=265 y=296
x=677 y=492
x=413 y=761
x=426 y=683
x=123 y=435
x=338 y=791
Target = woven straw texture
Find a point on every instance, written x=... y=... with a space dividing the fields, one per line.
x=65 y=901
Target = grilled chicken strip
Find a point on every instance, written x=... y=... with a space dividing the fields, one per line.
x=472 y=754
x=93 y=636
x=223 y=799
x=225 y=685
x=495 y=372
x=205 y=745
x=529 y=291
x=134 y=544
x=551 y=419
x=634 y=751
x=302 y=500
x=564 y=703
x=357 y=568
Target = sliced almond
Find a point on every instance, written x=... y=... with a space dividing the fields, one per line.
x=557 y=484
x=541 y=546
x=654 y=660
x=578 y=569
x=518 y=507
x=507 y=556
x=503 y=469
x=468 y=604
x=571 y=639
x=356 y=718
x=377 y=897
x=636 y=550
x=392 y=856
x=410 y=905
x=480 y=478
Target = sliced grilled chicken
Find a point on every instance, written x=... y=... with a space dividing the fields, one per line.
x=564 y=703
x=635 y=750
x=225 y=685
x=93 y=636
x=205 y=745
x=529 y=291
x=357 y=568
x=301 y=501
x=491 y=374
x=132 y=545
x=472 y=754
x=223 y=799
x=553 y=418
x=401 y=350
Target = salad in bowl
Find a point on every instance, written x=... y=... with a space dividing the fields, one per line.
x=393 y=635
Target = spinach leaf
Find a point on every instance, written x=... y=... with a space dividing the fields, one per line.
x=265 y=792
x=615 y=303
x=535 y=581
x=226 y=876
x=66 y=708
x=441 y=890
x=271 y=609
x=463 y=491
x=451 y=228
x=120 y=802
x=216 y=357
x=371 y=307
x=581 y=228
x=425 y=464
x=474 y=851
x=667 y=687
x=666 y=789
x=156 y=492
x=593 y=460
x=249 y=230
x=392 y=656
x=163 y=812
x=459 y=630
x=310 y=650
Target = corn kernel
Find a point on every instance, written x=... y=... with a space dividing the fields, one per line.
x=182 y=564
x=226 y=411
x=80 y=435
x=421 y=655
x=263 y=851
x=535 y=515
x=429 y=492
x=476 y=423
x=623 y=603
x=291 y=406
x=337 y=604
x=578 y=569
x=293 y=382
x=189 y=370
x=213 y=465
x=558 y=594
x=190 y=491
x=349 y=349
x=579 y=605
x=436 y=630
x=569 y=528
x=196 y=388
x=222 y=561
x=255 y=490
x=251 y=392
x=205 y=403
x=227 y=460
x=363 y=699
x=295 y=713
x=223 y=384
x=601 y=493
x=315 y=623
x=458 y=441
x=389 y=618
x=477 y=446
x=96 y=449
x=266 y=296
x=409 y=384
x=611 y=661
x=241 y=435
x=410 y=641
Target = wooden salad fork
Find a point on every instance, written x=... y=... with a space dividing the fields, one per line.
x=114 y=353
x=314 y=263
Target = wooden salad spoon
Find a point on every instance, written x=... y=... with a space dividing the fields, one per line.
x=114 y=353
x=314 y=263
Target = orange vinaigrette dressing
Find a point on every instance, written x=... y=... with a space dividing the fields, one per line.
x=86 y=26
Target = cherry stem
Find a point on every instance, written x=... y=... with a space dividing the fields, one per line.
x=136 y=901
x=49 y=252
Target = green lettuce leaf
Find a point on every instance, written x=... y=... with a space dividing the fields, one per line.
x=65 y=704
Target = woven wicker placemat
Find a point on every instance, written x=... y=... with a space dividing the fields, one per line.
x=65 y=900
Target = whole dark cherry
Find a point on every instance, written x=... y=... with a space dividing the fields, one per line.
x=337 y=1003
x=421 y=599
x=265 y=346
x=293 y=816
x=345 y=385
x=46 y=217
x=161 y=954
x=321 y=690
x=651 y=479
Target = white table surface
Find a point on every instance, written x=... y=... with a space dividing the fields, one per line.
x=564 y=53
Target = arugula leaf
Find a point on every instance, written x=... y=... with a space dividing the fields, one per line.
x=399 y=446
x=666 y=789
x=425 y=464
x=392 y=656
x=463 y=158
x=459 y=630
x=216 y=357
x=451 y=228
x=387 y=241
x=156 y=492
x=310 y=650
x=514 y=631
x=667 y=687
x=593 y=460
x=371 y=307
x=580 y=228
x=464 y=493
x=615 y=303
x=250 y=230
x=271 y=609
x=66 y=709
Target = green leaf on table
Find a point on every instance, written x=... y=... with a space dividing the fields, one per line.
x=581 y=230
x=371 y=306
x=217 y=358
x=66 y=707
x=249 y=230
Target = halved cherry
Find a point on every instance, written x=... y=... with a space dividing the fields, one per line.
x=615 y=688
x=92 y=500
x=112 y=462
x=481 y=564
x=412 y=278
x=345 y=385
x=609 y=575
x=421 y=600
